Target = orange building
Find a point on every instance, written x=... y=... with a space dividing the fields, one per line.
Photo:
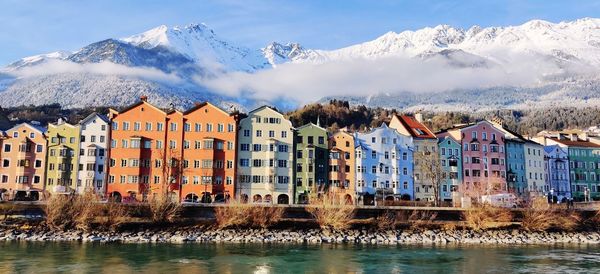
x=341 y=166
x=144 y=153
x=209 y=154
x=23 y=162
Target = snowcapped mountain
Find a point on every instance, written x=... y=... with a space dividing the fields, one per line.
x=37 y=59
x=202 y=45
x=569 y=41
x=174 y=64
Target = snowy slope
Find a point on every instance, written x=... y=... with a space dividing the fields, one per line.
x=202 y=45
x=574 y=41
x=36 y=59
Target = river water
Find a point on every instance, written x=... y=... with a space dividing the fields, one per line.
x=30 y=257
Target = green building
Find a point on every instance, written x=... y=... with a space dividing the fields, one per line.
x=312 y=164
x=584 y=163
x=63 y=154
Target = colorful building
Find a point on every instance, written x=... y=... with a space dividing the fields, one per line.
x=342 y=167
x=424 y=142
x=93 y=153
x=23 y=156
x=209 y=154
x=63 y=158
x=584 y=156
x=266 y=158
x=484 y=169
x=312 y=163
x=451 y=162
x=556 y=167
x=384 y=166
x=144 y=152
x=534 y=168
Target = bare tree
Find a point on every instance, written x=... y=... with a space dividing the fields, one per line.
x=430 y=164
x=163 y=206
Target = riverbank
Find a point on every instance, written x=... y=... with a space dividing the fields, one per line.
x=311 y=236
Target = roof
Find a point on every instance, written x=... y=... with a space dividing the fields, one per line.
x=455 y=127
x=91 y=116
x=578 y=143
x=41 y=129
x=415 y=128
x=203 y=104
x=309 y=125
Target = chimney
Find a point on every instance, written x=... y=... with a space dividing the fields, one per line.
x=144 y=98
x=419 y=117
x=574 y=137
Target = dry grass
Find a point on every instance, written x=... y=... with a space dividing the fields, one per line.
x=235 y=215
x=164 y=210
x=386 y=221
x=539 y=216
x=486 y=217
x=85 y=210
x=331 y=214
x=59 y=211
x=113 y=216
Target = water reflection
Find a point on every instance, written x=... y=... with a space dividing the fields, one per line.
x=28 y=257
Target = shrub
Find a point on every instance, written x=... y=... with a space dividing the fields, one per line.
x=164 y=209
x=59 y=211
x=86 y=210
x=330 y=214
x=235 y=215
x=386 y=221
x=539 y=216
x=114 y=215
x=486 y=217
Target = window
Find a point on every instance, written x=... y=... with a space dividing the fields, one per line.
x=7 y=147
x=246 y=133
x=283 y=148
x=5 y=163
x=244 y=162
x=245 y=147
x=257 y=147
x=282 y=163
x=220 y=128
x=173 y=127
x=187 y=127
x=125 y=125
x=136 y=126
x=209 y=127
x=230 y=128
x=373 y=139
x=284 y=134
x=259 y=133
x=159 y=126
x=271 y=134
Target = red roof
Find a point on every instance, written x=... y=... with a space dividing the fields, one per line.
x=416 y=128
x=578 y=143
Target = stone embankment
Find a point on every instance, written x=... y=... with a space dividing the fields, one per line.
x=310 y=236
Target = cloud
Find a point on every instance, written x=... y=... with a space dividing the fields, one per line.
x=303 y=83
x=52 y=67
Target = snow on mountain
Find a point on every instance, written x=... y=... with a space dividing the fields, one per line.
x=201 y=44
x=195 y=51
x=574 y=41
x=36 y=59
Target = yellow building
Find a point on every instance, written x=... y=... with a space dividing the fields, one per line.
x=63 y=154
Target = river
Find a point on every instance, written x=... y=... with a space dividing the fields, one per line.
x=50 y=257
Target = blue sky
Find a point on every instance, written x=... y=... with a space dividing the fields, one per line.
x=31 y=27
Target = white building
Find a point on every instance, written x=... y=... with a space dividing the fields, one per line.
x=93 y=154
x=556 y=169
x=534 y=167
x=265 y=157
x=384 y=165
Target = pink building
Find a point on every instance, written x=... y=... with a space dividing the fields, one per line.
x=484 y=167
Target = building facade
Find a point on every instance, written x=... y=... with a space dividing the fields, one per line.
x=534 y=168
x=93 y=154
x=424 y=142
x=451 y=162
x=384 y=166
x=312 y=163
x=484 y=168
x=584 y=169
x=143 y=163
x=556 y=168
x=266 y=157
x=342 y=167
x=23 y=156
x=63 y=158
x=209 y=154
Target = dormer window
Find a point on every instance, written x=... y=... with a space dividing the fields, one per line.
x=15 y=134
